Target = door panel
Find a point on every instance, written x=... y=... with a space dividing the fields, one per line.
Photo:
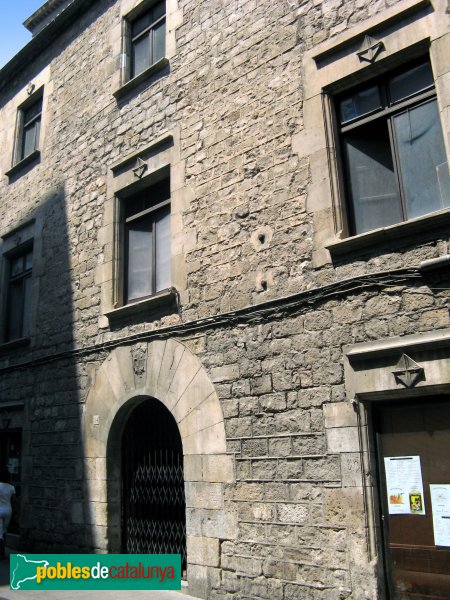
x=417 y=568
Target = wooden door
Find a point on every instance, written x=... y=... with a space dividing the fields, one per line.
x=416 y=567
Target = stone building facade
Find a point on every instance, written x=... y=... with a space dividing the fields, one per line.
x=278 y=318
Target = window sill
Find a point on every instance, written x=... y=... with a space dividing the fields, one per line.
x=11 y=345
x=389 y=234
x=23 y=163
x=133 y=83
x=163 y=298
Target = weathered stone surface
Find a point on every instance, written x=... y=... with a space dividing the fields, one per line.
x=258 y=395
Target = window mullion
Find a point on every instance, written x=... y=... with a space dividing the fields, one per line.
x=22 y=308
x=32 y=120
x=153 y=256
x=150 y=46
x=141 y=34
x=147 y=211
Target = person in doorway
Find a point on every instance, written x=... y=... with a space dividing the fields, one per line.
x=7 y=491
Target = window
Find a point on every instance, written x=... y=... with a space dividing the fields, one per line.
x=148 y=33
x=147 y=241
x=393 y=150
x=29 y=129
x=19 y=295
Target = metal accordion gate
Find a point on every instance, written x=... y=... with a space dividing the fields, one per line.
x=153 y=500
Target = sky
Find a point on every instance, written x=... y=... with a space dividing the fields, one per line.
x=13 y=35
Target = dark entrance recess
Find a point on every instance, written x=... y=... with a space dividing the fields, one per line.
x=153 y=500
x=415 y=566
x=10 y=458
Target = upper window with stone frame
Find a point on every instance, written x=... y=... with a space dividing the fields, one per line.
x=19 y=270
x=28 y=128
x=395 y=166
x=146 y=38
x=146 y=241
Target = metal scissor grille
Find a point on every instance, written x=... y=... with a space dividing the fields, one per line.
x=153 y=515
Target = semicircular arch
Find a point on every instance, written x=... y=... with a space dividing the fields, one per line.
x=169 y=372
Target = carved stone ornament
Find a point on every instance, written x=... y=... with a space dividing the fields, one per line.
x=140 y=168
x=370 y=49
x=30 y=88
x=408 y=372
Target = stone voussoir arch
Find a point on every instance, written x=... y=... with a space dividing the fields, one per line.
x=169 y=372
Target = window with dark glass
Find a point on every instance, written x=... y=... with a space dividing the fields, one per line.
x=30 y=127
x=147 y=241
x=148 y=34
x=19 y=295
x=393 y=150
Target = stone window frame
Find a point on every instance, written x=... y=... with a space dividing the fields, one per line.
x=149 y=32
x=17 y=309
x=410 y=29
x=18 y=162
x=13 y=243
x=130 y=10
x=134 y=173
x=383 y=120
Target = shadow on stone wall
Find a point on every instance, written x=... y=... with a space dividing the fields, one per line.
x=54 y=510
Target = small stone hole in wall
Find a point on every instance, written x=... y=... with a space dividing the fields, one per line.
x=263 y=285
x=261 y=238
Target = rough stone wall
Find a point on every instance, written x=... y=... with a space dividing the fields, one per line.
x=235 y=92
x=299 y=483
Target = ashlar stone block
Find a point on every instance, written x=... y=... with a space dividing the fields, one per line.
x=203 y=551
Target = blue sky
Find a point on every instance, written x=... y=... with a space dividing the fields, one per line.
x=13 y=35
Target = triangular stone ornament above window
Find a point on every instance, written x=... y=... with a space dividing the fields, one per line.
x=140 y=168
x=408 y=372
x=370 y=49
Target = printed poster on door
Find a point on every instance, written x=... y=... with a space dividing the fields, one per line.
x=404 y=485
x=440 y=504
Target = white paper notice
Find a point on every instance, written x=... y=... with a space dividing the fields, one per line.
x=404 y=485
x=440 y=502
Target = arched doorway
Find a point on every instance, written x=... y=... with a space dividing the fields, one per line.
x=176 y=377
x=153 y=500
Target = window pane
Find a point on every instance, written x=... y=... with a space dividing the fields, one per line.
x=360 y=104
x=372 y=183
x=28 y=261
x=159 y=10
x=28 y=140
x=410 y=82
x=162 y=225
x=37 y=133
x=422 y=160
x=134 y=205
x=139 y=272
x=26 y=306
x=141 y=56
x=32 y=111
x=16 y=266
x=140 y=24
x=158 y=192
x=14 y=322
x=159 y=39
